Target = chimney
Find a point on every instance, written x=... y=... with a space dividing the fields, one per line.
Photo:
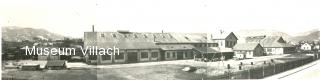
x=162 y=31
x=92 y=28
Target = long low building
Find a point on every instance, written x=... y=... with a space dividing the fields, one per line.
x=273 y=45
x=144 y=47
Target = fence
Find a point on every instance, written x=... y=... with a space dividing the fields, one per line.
x=267 y=69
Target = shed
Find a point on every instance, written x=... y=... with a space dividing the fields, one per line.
x=56 y=64
x=30 y=67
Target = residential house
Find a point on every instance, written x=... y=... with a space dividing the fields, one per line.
x=306 y=46
x=225 y=39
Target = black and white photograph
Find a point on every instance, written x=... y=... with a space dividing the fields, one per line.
x=160 y=39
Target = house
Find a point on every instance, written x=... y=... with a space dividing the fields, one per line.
x=248 y=50
x=272 y=45
x=30 y=67
x=306 y=46
x=56 y=64
x=225 y=39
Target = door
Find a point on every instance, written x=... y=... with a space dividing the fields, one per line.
x=180 y=55
x=132 y=57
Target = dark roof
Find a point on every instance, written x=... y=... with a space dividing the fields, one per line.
x=56 y=63
x=245 y=46
x=176 y=47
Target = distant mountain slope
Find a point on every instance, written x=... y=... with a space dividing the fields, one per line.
x=13 y=33
x=259 y=32
x=308 y=36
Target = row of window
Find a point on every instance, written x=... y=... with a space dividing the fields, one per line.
x=136 y=36
x=145 y=55
x=121 y=56
x=204 y=45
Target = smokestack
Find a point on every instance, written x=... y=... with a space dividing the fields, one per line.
x=92 y=28
x=162 y=31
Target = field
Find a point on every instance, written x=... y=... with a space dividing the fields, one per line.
x=163 y=70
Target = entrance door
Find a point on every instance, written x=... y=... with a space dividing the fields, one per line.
x=180 y=55
x=132 y=57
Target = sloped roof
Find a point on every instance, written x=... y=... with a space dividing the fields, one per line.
x=206 y=50
x=56 y=63
x=192 y=37
x=128 y=45
x=222 y=49
x=273 y=41
x=176 y=47
x=245 y=46
x=213 y=49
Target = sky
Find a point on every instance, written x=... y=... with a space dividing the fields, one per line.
x=73 y=17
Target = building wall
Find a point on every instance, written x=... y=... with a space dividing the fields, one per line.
x=258 y=51
x=305 y=47
x=274 y=51
x=114 y=59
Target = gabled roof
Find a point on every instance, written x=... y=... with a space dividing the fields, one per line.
x=223 y=35
x=274 y=41
x=176 y=47
x=56 y=63
x=245 y=46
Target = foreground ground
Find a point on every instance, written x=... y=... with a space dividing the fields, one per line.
x=163 y=70
x=309 y=71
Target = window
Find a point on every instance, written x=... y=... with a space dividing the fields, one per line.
x=106 y=57
x=269 y=49
x=120 y=56
x=144 y=54
x=168 y=54
x=93 y=57
x=102 y=35
x=154 y=54
x=173 y=54
x=189 y=54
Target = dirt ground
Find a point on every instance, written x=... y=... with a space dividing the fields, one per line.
x=162 y=70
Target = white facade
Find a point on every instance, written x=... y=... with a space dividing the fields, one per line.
x=305 y=46
x=274 y=51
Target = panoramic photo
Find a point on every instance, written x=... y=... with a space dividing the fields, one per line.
x=160 y=39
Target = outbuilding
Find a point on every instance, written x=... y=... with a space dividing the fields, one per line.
x=56 y=64
x=248 y=50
